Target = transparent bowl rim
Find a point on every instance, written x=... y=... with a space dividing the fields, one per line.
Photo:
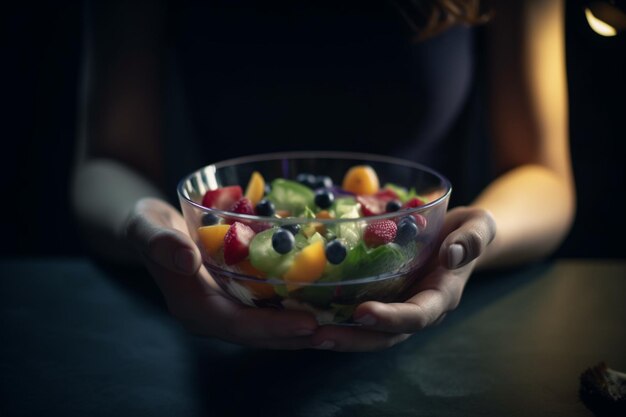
x=315 y=155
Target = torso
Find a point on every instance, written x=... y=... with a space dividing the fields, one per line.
x=318 y=76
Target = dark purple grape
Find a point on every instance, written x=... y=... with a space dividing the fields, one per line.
x=265 y=208
x=324 y=198
x=283 y=241
x=210 y=219
x=336 y=252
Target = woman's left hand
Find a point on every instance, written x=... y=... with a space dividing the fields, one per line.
x=466 y=234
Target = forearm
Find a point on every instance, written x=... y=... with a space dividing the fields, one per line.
x=533 y=208
x=103 y=194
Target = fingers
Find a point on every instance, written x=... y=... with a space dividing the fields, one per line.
x=432 y=297
x=158 y=232
x=385 y=325
x=415 y=314
x=154 y=229
x=228 y=320
x=469 y=231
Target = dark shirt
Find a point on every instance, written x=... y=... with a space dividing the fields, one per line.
x=254 y=77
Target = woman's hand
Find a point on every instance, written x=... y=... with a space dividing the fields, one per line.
x=158 y=231
x=467 y=232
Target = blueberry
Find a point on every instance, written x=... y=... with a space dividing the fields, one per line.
x=408 y=219
x=407 y=232
x=210 y=219
x=306 y=179
x=293 y=228
x=324 y=198
x=393 y=205
x=265 y=208
x=267 y=189
x=323 y=181
x=336 y=252
x=283 y=241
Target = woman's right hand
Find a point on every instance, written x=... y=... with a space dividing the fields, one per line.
x=159 y=233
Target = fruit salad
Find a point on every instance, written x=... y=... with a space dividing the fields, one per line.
x=309 y=243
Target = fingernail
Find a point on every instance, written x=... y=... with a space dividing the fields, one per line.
x=367 y=320
x=304 y=332
x=456 y=253
x=326 y=344
x=184 y=261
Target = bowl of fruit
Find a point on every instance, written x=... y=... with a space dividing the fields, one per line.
x=316 y=231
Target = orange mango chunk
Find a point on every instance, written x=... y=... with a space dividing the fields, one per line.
x=212 y=237
x=283 y=213
x=259 y=289
x=312 y=228
x=308 y=265
x=324 y=214
x=255 y=188
x=245 y=267
x=361 y=180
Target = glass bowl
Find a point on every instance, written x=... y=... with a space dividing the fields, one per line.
x=329 y=258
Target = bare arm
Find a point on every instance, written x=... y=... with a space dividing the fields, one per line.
x=119 y=159
x=533 y=201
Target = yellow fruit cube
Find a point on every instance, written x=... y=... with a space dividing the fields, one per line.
x=308 y=265
x=361 y=180
x=256 y=188
x=212 y=237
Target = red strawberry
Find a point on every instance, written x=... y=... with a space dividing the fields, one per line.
x=237 y=243
x=414 y=202
x=380 y=232
x=222 y=198
x=243 y=206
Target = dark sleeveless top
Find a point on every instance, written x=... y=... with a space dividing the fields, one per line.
x=256 y=77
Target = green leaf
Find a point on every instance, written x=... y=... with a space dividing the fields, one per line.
x=362 y=262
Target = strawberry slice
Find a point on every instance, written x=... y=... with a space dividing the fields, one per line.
x=243 y=206
x=373 y=205
x=222 y=198
x=237 y=243
x=370 y=205
x=380 y=232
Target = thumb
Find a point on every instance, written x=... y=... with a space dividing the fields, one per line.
x=150 y=228
x=473 y=229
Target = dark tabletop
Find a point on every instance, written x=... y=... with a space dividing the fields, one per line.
x=82 y=339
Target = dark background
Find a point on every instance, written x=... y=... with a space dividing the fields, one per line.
x=41 y=54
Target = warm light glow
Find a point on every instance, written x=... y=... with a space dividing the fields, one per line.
x=598 y=26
